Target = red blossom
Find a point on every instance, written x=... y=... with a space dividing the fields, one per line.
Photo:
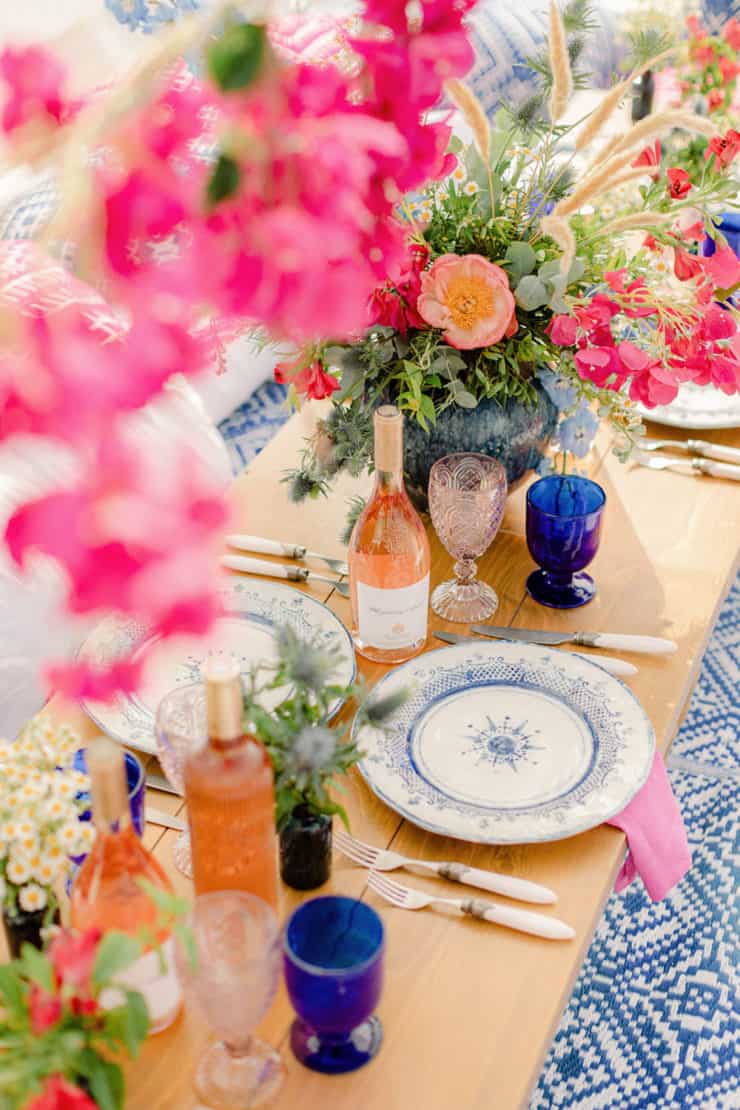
x=728 y=69
x=724 y=147
x=44 y=1009
x=650 y=156
x=315 y=382
x=731 y=33
x=73 y=957
x=679 y=183
x=695 y=27
x=59 y=1094
x=723 y=267
x=715 y=99
x=685 y=266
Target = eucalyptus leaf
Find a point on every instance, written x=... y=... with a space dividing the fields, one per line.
x=466 y=400
x=522 y=260
x=531 y=293
x=116 y=952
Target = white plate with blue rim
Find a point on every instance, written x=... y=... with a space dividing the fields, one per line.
x=505 y=743
x=253 y=610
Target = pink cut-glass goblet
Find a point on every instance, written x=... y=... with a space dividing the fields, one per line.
x=180 y=730
x=232 y=975
x=467 y=495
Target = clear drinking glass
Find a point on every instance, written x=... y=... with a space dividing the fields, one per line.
x=181 y=729
x=237 y=941
x=467 y=496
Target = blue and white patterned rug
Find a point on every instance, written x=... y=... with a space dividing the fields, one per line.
x=652 y=1023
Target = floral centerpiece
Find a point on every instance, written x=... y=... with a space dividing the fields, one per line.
x=40 y=806
x=309 y=755
x=517 y=291
x=66 y=1021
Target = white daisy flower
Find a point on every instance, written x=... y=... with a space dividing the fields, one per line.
x=69 y=834
x=32 y=897
x=10 y=831
x=56 y=809
x=86 y=833
x=47 y=872
x=470 y=188
x=29 y=845
x=18 y=871
x=26 y=829
x=458 y=174
x=54 y=854
x=65 y=787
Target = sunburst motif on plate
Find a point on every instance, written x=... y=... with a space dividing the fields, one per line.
x=503 y=743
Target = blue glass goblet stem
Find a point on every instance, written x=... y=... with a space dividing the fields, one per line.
x=333 y=962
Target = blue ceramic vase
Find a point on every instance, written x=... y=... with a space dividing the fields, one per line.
x=514 y=433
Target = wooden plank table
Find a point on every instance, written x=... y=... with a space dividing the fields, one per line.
x=469 y=1010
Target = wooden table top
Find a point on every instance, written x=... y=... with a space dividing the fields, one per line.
x=469 y=1010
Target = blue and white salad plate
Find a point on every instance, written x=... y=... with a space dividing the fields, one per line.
x=504 y=743
x=253 y=609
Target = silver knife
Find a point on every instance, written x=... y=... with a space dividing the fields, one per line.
x=166 y=820
x=248 y=565
x=647 y=645
x=693 y=447
x=159 y=782
x=615 y=666
x=262 y=546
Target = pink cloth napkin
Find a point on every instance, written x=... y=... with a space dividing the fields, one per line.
x=658 y=848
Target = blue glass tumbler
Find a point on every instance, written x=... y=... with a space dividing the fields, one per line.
x=564 y=514
x=333 y=961
x=136 y=781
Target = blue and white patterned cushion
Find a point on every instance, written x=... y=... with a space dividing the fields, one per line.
x=149 y=15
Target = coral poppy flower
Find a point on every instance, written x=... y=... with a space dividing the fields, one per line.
x=469 y=298
x=724 y=147
x=650 y=156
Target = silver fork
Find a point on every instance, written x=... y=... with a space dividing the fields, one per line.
x=693 y=447
x=524 y=920
x=689 y=466
x=380 y=859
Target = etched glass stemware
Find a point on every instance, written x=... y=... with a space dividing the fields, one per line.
x=467 y=496
x=181 y=729
x=233 y=982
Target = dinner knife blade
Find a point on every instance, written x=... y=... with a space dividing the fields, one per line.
x=619 y=667
x=166 y=820
x=619 y=641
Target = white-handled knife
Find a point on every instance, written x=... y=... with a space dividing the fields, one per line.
x=617 y=641
x=277 y=570
x=260 y=545
x=708 y=467
x=618 y=667
x=166 y=820
x=693 y=447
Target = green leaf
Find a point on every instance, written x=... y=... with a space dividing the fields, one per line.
x=11 y=989
x=224 y=179
x=129 y=1024
x=234 y=60
x=116 y=952
x=465 y=400
x=105 y=1079
x=522 y=260
x=36 y=967
x=531 y=293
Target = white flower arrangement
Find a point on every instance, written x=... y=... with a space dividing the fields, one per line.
x=40 y=809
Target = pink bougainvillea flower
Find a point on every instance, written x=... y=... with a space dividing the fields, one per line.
x=563 y=330
x=650 y=157
x=653 y=385
x=469 y=299
x=394 y=304
x=602 y=366
x=723 y=267
x=724 y=148
x=679 y=183
x=34 y=77
x=59 y=1094
x=139 y=210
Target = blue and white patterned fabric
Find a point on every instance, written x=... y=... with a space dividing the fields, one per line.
x=253 y=424
x=653 y=1021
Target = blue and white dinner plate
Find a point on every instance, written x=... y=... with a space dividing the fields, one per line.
x=504 y=743
x=253 y=609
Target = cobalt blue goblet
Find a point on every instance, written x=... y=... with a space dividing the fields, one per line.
x=333 y=962
x=563 y=531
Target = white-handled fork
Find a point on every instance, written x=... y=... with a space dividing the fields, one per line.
x=524 y=920
x=379 y=859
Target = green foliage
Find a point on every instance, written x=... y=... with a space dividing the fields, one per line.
x=224 y=179
x=115 y=952
x=308 y=755
x=235 y=58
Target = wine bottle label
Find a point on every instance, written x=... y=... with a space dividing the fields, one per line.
x=393 y=618
x=154 y=976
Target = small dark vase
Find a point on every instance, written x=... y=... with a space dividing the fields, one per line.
x=25 y=927
x=305 y=849
x=515 y=433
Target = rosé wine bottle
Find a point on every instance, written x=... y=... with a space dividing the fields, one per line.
x=229 y=788
x=107 y=895
x=389 y=557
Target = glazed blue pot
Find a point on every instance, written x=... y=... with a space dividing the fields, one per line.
x=514 y=433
